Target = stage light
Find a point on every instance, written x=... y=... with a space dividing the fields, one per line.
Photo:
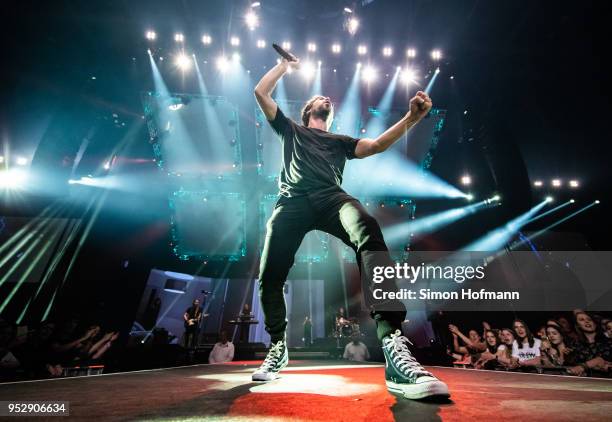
x=222 y=64
x=21 y=161
x=312 y=47
x=235 y=41
x=255 y=4
x=286 y=45
x=206 y=39
x=572 y=201
x=574 y=183
x=493 y=199
x=369 y=74
x=252 y=20
x=362 y=50
x=308 y=70
x=178 y=37
x=1 y=159
x=436 y=54
x=556 y=183
x=549 y=199
x=347 y=10
x=183 y=62
x=597 y=201
x=336 y=48
x=151 y=35
x=352 y=25
x=107 y=165
x=466 y=180
x=411 y=52
x=469 y=197
x=261 y=44
x=318 y=65
x=387 y=51
x=408 y=76
x=538 y=183
x=437 y=70
x=12 y=178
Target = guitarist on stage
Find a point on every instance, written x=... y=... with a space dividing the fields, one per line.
x=192 y=317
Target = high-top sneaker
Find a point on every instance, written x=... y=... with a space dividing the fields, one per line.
x=404 y=375
x=277 y=359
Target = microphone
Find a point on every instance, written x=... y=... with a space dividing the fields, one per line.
x=284 y=53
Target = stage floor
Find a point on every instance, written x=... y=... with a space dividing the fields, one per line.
x=316 y=391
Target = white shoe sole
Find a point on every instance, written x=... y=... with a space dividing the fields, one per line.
x=268 y=376
x=419 y=391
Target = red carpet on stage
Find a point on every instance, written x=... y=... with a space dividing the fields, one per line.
x=317 y=391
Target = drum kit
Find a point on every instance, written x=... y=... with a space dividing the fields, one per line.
x=346 y=328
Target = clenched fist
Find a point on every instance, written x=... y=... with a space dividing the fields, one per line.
x=420 y=105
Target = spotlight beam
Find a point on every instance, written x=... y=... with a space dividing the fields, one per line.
x=430 y=85
x=544 y=214
x=40 y=225
x=555 y=224
x=348 y=115
x=56 y=260
x=391 y=174
x=497 y=238
x=316 y=86
x=183 y=146
x=215 y=131
x=100 y=200
x=378 y=123
x=430 y=223
x=48 y=212
x=30 y=268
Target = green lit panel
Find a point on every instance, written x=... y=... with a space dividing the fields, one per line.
x=208 y=225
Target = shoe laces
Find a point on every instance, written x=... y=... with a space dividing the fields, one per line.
x=403 y=359
x=274 y=354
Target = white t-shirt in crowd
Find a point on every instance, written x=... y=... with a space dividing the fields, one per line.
x=526 y=352
x=222 y=353
x=357 y=352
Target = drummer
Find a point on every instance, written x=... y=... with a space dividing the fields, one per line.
x=341 y=317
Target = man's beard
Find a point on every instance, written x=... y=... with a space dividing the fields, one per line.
x=321 y=113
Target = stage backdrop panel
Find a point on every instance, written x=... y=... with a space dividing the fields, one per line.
x=196 y=134
x=208 y=225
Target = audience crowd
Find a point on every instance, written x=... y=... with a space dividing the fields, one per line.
x=582 y=347
x=49 y=349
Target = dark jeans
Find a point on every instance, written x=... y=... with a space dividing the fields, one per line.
x=190 y=337
x=336 y=213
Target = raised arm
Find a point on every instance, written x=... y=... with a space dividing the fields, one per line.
x=263 y=90
x=420 y=105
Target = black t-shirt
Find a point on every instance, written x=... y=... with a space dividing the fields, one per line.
x=193 y=311
x=313 y=159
